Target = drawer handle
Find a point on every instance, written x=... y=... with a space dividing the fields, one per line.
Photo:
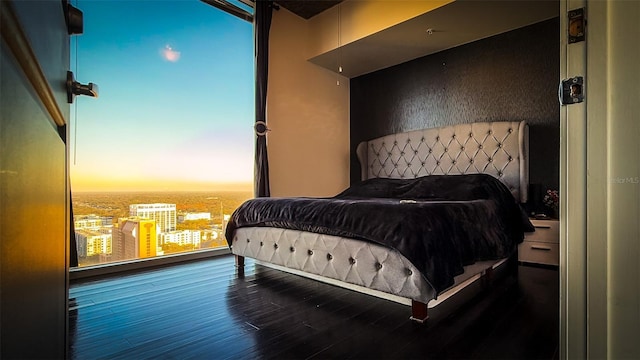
x=542 y=226
x=533 y=247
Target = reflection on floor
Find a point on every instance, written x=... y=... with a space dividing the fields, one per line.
x=205 y=310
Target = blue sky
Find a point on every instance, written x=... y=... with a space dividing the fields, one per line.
x=175 y=108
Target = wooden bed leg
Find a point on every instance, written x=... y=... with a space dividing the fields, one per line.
x=419 y=312
x=487 y=278
x=239 y=261
x=239 y=266
x=514 y=266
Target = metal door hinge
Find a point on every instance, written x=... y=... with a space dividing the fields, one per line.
x=577 y=25
x=75 y=20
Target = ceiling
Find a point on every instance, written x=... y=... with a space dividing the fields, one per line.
x=454 y=24
x=307 y=8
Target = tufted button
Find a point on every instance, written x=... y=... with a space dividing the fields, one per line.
x=510 y=130
x=462 y=148
x=490 y=159
x=430 y=150
x=261 y=243
x=383 y=143
x=395 y=166
x=453 y=136
x=437 y=138
x=408 y=141
x=470 y=135
x=275 y=246
x=438 y=162
x=422 y=140
x=329 y=257
x=500 y=145
x=415 y=152
x=352 y=261
x=378 y=266
x=454 y=162
x=409 y=164
x=402 y=176
x=310 y=252
x=510 y=158
x=389 y=154
x=499 y=173
x=292 y=249
x=409 y=272
x=490 y=132
x=470 y=161
x=422 y=163
x=248 y=240
x=445 y=149
x=402 y=153
x=395 y=143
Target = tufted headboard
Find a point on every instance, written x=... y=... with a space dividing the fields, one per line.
x=500 y=149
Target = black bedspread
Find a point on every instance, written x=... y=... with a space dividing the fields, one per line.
x=439 y=223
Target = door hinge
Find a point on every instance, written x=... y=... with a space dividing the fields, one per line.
x=577 y=25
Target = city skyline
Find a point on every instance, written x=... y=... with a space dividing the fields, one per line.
x=175 y=108
x=149 y=230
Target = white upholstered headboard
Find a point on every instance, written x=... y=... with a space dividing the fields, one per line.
x=500 y=149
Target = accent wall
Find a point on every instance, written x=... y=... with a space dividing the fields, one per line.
x=508 y=77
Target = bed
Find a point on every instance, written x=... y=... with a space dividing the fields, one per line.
x=436 y=210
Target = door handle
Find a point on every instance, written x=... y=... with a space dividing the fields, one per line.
x=543 y=248
x=75 y=88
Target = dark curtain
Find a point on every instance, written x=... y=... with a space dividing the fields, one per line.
x=73 y=249
x=262 y=24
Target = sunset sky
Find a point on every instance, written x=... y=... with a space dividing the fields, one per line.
x=175 y=106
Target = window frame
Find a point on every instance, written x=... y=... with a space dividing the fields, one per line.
x=111 y=268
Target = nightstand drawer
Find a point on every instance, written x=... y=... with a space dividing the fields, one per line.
x=539 y=252
x=546 y=231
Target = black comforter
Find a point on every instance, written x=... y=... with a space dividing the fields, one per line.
x=439 y=223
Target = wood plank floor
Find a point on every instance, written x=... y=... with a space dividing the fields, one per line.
x=205 y=310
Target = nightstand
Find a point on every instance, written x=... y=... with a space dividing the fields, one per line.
x=543 y=245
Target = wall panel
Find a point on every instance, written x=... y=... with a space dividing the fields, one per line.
x=308 y=114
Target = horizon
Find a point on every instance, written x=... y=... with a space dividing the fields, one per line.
x=248 y=190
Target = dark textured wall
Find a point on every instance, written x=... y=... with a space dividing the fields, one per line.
x=508 y=77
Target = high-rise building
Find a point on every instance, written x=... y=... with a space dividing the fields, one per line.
x=163 y=214
x=93 y=242
x=135 y=238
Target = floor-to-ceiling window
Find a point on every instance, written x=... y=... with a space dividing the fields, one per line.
x=164 y=154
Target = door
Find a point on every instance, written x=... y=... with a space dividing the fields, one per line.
x=34 y=211
x=600 y=172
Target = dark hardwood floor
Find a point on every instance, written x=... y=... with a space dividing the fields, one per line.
x=206 y=310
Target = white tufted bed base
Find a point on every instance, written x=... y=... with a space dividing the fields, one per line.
x=327 y=257
x=496 y=148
